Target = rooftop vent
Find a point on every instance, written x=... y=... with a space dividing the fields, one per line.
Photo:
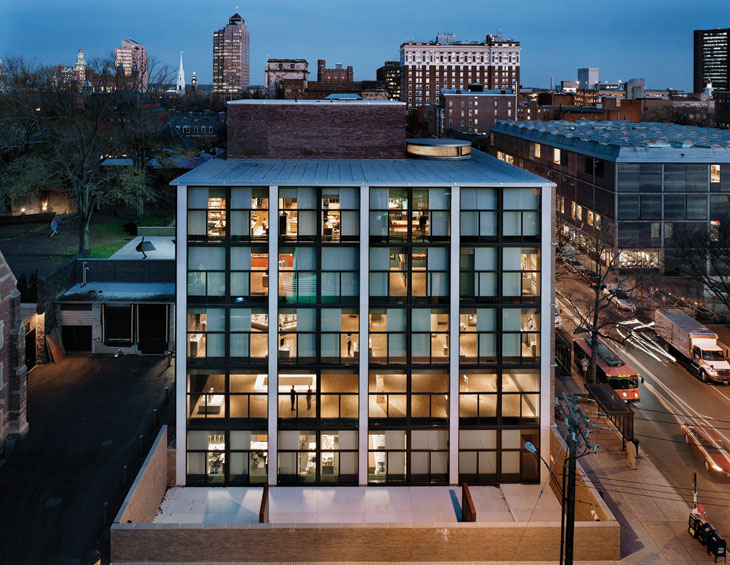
x=441 y=149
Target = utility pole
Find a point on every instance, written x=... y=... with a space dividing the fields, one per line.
x=575 y=421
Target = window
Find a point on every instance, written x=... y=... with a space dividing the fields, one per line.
x=249 y=277
x=388 y=335
x=478 y=274
x=556 y=156
x=478 y=335
x=297 y=335
x=524 y=221
x=520 y=335
x=479 y=214
x=409 y=214
x=714 y=174
x=318 y=457
x=206 y=460
x=398 y=274
x=521 y=273
x=205 y=329
x=298 y=275
x=248 y=337
x=534 y=150
x=207 y=214
x=340 y=281
x=339 y=337
x=298 y=214
x=340 y=216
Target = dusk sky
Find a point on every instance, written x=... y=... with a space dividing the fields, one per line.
x=624 y=38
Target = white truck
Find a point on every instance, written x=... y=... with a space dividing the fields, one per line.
x=694 y=343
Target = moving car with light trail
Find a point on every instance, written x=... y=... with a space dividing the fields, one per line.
x=710 y=445
x=693 y=343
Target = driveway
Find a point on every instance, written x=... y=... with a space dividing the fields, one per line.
x=85 y=415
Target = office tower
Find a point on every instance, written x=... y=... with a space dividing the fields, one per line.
x=231 y=57
x=587 y=77
x=180 y=86
x=446 y=63
x=358 y=308
x=389 y=73
x=132 y=58
x=711 y=59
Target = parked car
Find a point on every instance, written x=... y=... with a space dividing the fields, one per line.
x=620 y=298
x=711 y=447
x=591 y=276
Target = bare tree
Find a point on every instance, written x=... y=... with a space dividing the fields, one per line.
x=594 y=308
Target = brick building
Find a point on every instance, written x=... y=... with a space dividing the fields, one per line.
x=429 y=67
x=474 y=110
x=257 y=128
x=13 y=373
x=338 y=74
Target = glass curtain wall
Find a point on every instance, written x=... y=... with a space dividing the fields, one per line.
x=227 y=329
x=318 y=334
x=408 y=347
x=499 y=334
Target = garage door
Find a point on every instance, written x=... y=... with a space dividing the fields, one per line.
x=76 y=338
x=153 y=328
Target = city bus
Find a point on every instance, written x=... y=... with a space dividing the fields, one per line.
x=610 y=368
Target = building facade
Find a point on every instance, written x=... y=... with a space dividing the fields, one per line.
x=356 y=320
x=587 y=77
x=338 y=74
x=389 y=74
x=13 y=373
x=711 y=52
x=427 y=68
x=473 y=110
x=652 y=185
x=280 y=70
x=132 y=57
x=231 y=57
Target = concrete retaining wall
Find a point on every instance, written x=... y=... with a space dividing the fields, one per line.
x=145 y=494
x=148 y=543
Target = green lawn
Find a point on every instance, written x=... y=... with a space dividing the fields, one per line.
x=21 y=230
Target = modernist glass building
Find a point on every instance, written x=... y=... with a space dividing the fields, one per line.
x=363 y=321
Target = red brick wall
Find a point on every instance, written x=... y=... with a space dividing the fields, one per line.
x=328 y=131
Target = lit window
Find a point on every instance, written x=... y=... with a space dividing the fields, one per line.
x=556 y=156
x=714 y=173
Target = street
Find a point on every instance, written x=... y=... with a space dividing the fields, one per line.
x=670 y=392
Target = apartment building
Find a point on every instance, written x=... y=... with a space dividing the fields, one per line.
x=429 y=67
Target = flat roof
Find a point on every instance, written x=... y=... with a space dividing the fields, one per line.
x=624 y=141
x=367 y=505
x=319 y=102
x=480 y=170
x=155 y=293
x=164 y=248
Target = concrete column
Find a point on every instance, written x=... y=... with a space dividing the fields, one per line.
x=273 y=419
x=455 y=227
x=547 y=297
x=364 y=335
x=181 y=301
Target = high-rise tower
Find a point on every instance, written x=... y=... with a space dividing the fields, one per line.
x=80 y=66
x=132 y=57
x=231 y=57
x=711 y=52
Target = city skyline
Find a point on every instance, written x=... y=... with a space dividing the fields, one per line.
x=609 y=37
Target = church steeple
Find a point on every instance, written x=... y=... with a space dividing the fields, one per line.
x=180 y=88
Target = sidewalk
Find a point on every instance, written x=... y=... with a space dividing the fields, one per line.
x=652 y=514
